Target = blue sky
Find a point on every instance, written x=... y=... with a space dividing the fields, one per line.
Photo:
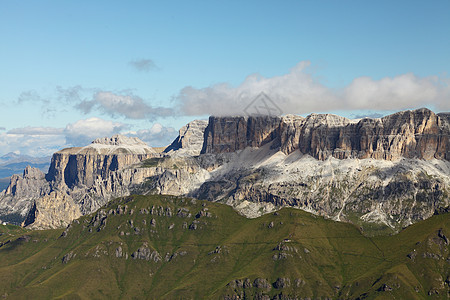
x=75 y=70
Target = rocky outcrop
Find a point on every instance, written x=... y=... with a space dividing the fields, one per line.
x=190 y=139
x=82 y=166
x=229 y=134
x=125 y=142
x=23 y=189
x=394 y=170
x=79 y=181
x=52 y=211
x=411 y=134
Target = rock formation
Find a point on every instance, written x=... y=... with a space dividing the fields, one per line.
x=79 y=181
x=18 y=198
x=190 y=139
x=229 y=134
x=394 y=170
x=54 y=210
x=410 y=134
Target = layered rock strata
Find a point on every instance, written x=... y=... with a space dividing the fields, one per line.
x=79 y=181
x=410 y=134
x=189 y=140
x=394 y=170
x=23 y=190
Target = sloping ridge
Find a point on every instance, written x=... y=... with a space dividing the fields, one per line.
x=174 y=247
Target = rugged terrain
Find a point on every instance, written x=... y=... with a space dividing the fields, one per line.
x=392 y=171
x=12 y=163
x=165 y=247
x=79 y=181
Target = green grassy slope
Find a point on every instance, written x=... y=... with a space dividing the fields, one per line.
x=157 y=247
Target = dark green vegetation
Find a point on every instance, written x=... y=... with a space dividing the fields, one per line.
x=152 y=162
x=171 y=248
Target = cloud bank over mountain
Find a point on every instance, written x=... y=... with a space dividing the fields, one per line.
x=42 y=141
x=300 y=92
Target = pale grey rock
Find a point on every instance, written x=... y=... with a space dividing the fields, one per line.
x=262 y=283
x=52 y=211
x=119 y=252
x=189 y=140
x=79 y=181
x=118 y=139
x=145 y=253
x=394 y=170
x=66 y=258
x=17 y=200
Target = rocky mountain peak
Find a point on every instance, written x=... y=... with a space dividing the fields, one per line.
x=190 y=138
x=119 y=140
x=257 y=162
x=32 y=173
x=328 y=120
x=413 y=134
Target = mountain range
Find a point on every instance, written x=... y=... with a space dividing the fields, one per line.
x=257 y=207
x=388 y=172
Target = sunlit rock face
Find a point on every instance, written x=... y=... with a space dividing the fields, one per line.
x=190 y=139
x=410 y=134
x=393 y=170
x=79 y=181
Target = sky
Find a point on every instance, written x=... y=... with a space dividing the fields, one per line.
x=72 y=71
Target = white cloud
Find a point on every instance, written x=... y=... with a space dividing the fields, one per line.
x=31 y=96
x=157 y=136
x=33 y=145
x=44 y=141
x=115 y=104
x=400 y=92
x=85 y=131
x=144 y=65
x=156 y=128
x=127 y=105
x=36 y=131
x=299 y=92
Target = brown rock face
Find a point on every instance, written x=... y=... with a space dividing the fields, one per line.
x=83 y=166
x=229 y=134
x=410 y=134
x=71 y=168
x=54 y=210
x=96 y=173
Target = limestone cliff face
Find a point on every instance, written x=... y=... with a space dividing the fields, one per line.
x=325 y=164
x=410 y=134
x=79 y=181
x=105 y=169
x=190 y=139
x=72 y=167
x=54 y=210
x=229 y=134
